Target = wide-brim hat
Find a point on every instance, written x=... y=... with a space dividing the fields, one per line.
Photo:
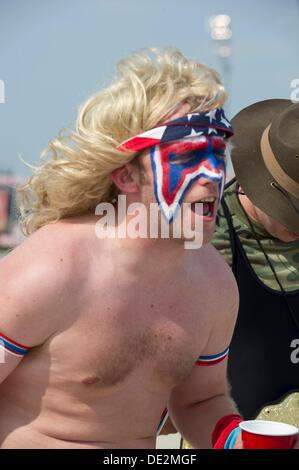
x=265 y=157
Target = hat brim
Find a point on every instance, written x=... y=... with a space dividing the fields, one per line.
x=250 y=169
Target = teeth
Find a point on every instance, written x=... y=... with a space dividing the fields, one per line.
x=208 y=199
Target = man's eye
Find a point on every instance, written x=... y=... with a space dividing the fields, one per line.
x=182 y=158
x=220 y=155
x=179 y=159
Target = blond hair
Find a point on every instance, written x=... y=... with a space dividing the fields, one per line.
x=75 y=174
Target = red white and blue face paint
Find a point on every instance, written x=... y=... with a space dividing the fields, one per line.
x=181 y=151
x=177 y=165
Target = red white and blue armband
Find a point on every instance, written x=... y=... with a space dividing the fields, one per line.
x=12 y=347
x=226 y=432
x=212 y=359
x=201 y=361
x=227 y=428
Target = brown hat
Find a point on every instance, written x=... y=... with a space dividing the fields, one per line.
x=265 y=158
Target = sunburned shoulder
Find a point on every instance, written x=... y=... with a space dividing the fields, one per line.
x=49 y=247
x=52 y=258
x=220 y=275
x=40 y=282
x=212 y=260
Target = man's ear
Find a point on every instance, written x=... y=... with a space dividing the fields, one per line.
x=126 y=178
x=241 y=191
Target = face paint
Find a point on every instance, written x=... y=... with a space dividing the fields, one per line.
x=183 y=150
x=177 y=165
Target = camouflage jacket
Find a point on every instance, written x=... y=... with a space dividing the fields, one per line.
x=284 y=256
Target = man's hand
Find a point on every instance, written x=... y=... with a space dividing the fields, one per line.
x=239 y=442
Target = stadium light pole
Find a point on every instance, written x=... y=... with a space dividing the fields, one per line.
x=221 y=35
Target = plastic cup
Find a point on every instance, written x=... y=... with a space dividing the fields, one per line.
x=258 y=434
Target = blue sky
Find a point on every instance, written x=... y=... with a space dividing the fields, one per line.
x=54 y=54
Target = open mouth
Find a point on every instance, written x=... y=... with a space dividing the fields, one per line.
x=208 y=206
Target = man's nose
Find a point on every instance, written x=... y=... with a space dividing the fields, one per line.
x=209 y=184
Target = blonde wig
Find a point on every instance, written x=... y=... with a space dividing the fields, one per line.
x=75 y=170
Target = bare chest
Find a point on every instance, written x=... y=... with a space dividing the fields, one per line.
x=154 y=334
x=152 y=329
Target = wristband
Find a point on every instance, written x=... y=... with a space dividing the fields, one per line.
x=223 y=429
x=231 y=440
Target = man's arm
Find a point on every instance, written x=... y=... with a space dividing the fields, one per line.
x=200 y=401
x=32 y=288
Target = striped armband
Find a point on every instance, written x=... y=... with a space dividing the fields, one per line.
x=213 y=359
x=12 y=347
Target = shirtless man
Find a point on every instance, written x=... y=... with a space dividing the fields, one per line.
x=98 y=336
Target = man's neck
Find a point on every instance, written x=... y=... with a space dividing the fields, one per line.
x=153 y=253
x=150 y=254
x=249 y=208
